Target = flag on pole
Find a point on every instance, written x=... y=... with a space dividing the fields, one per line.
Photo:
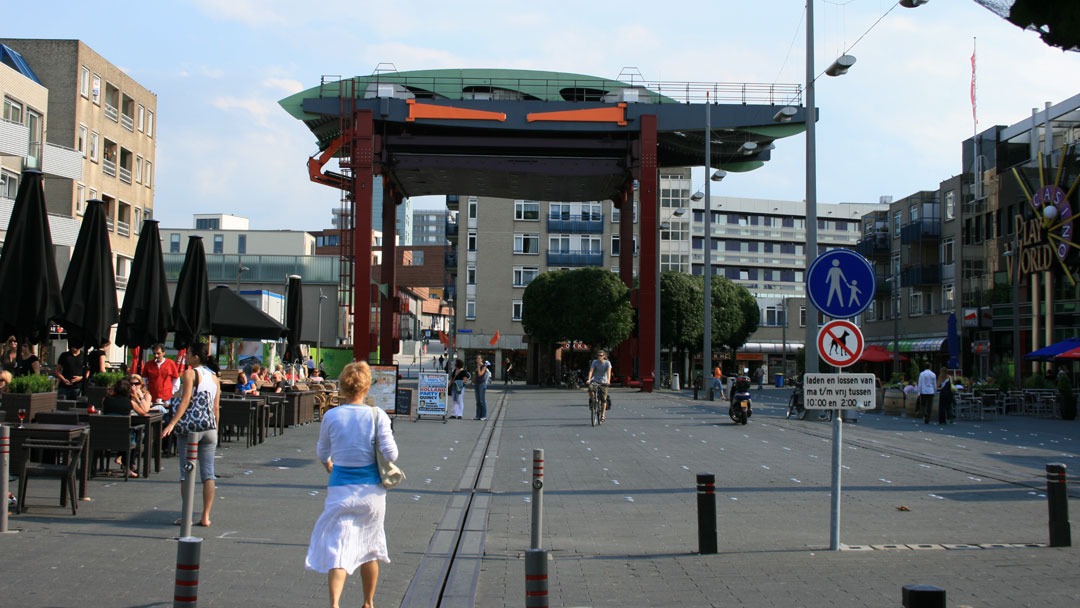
x=974 y=117
x=495 y=338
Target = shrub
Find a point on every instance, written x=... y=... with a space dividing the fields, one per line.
x=33 y=383
x=1036 y=381
x=106 y=379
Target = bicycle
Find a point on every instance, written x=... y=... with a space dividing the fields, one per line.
x=596 y=409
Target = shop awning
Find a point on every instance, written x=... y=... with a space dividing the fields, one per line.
x=770 y=347
x=914 y=345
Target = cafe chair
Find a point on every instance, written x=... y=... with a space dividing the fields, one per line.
x=236 y=414
x=66 y=468
x=57 y=418
x=114 y=435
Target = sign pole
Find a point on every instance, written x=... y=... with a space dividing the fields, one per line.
x=837 y=454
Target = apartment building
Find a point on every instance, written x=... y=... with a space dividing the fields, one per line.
x=429 y=227
x=230 y=234
x=108 y=118
x=501 y=245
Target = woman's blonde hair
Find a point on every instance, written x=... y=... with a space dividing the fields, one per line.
x=354 y=382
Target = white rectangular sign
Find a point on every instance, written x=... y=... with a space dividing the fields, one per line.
x=431 y=393
x=839 y=391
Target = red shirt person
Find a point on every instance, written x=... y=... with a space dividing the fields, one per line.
x=161 y=373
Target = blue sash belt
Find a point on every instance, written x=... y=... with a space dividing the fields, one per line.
x=344 y=476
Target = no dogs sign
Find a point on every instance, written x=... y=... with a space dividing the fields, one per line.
x=840 y=343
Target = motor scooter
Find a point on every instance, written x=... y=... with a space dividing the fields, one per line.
x=741 y=407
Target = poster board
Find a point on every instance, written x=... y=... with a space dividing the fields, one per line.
x=431 y=394
x=383 y=393
x=403 y=405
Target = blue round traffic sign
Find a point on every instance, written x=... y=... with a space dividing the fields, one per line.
x=841 y=283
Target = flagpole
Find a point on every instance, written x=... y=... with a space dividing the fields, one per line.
x=974 y=113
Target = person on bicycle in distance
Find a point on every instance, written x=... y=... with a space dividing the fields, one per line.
x=601 y=371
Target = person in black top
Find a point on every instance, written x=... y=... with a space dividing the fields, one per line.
x=96 y=359
x=122 y=402
x=27 y=363
x=72 y=371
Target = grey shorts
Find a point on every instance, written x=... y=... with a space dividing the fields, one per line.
x=207 y=447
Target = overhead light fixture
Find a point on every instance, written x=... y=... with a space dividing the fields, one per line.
x=718 y=175
x=681 y=211
x=697 y=196
x=912 y=3
x=748 y=148
x=785 y=114
x=768 y=148
x=842 y=64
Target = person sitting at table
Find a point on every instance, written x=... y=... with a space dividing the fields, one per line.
x=256 y=374
x=278 y=380
x=316 y=376
x=10 y=355
x=123 y=402
x=245 y=385
x=5 y=378
x=140 y=397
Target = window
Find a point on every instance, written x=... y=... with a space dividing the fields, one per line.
x=137 y=225
x=80 y=143
x=559 y=211
x=219 y=243
x=474 y=208
x=592 y=212
x=471 y=242
x=947 y=301
x=674 y=197
x=559 y=243
x=80 y=198
x=241 y=243
x=615 y=249
x=13 y=110
x=615 y=213
x=93 y=195
x=470 y=309
x=523 y=275
x=470 y=275
x=774 y=316
x=950 y=204
x=515 y=310
x=149 y=123
x=947 y=252
x=913 y=213
x=915 y=303
x=528 y=243
x=149 y=174
x=141 y=116
x=174 y=242
x=84 y=82
x=591 y=244
x=896 y=217
x=9 y=184
x=416 y=258
x=94 y=146
x=527 y=211
x=138 y=169
x=207 y=223
x=676 y=231
x=802 y=316
x=95 y=91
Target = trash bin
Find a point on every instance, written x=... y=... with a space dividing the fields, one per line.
x=674 y=382
x=779 y=380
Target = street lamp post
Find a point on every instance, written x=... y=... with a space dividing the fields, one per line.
x=240 y=269
x=783 y=332
x=894 y=285
x=681 y=211
x=318 y=340
x=1016 y=306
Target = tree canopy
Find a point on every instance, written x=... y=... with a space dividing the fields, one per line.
x=735 y=315
x=588 y=304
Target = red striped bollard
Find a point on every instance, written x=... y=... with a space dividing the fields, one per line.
x=186 y=591
x=536 y=578
x=706 y=513
x=5 y=464
x=537 y=498
x=191 y=461
x=1057 y=499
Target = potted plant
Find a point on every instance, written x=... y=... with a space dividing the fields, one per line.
x=34 y=393
x=100 y=385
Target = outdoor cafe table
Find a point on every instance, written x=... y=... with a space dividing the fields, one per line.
x=55 y=432
x=152 y=437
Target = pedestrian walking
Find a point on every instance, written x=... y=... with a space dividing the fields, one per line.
x=947 y=399
x=760 y=375
x=927 y=387
x=507 y=367
x=350 y=532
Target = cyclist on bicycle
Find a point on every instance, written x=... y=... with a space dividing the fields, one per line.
x=599 y=379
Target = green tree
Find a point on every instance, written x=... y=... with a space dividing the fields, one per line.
x=541 y=315
x=680 y=311
x=588 y=304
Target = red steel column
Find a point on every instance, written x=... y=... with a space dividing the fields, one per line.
x=626 y=270
x=387 y=335
x=647 y=265
x=363 y=146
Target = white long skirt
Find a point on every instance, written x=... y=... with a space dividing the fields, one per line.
x=350 y=530
x=457 y=404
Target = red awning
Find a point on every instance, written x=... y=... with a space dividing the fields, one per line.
x=877 y=354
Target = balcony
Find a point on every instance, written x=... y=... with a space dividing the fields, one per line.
x=62 y=162
x=919 y=230
x=14 y=138
x=121 y=282
x=128 y=122
x=450 y=260
x=921 y=274
x=123 y=228
x=884 y=285
x=108 y=167
x=111 y=112
x=875 y=245
x=575 y=258
x=451 y=231
x=109 y=222
x=453 y=202
x=125 y=175
x=588 y=223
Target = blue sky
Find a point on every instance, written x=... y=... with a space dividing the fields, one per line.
x=892 y=126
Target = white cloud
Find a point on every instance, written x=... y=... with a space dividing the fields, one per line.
x=260 y=110
x=288 y=85
x=250 y=12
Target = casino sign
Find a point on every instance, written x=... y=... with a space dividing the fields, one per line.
x=1047 y=237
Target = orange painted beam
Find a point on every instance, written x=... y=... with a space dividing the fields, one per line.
x=615 y=114
x=427 y=110
x=316 y=163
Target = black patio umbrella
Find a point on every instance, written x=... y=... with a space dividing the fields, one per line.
x=191 y=304
x=234 y=317
x=146 y=316
x=294 y=316
x=89 y=291
x=28 y=266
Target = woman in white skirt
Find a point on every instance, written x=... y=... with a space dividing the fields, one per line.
x=457 y=389
x=350 y=533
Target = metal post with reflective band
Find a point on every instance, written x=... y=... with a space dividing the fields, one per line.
x=706 y=513
x=537 y=498
x=1057 y=500
x=186 y=591
x=536 y=578
x=191 y=461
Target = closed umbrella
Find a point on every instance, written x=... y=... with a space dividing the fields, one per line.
x=294 y=316
x=28 y=266
x=191 y=304
x=89 y=291
x=954 y=343
x=147 y=315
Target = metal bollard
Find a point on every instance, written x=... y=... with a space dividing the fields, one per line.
x=537 y=498
x=186 y=590
x=536 y=578
x=923 y=596
x=706 y=513
x=5 y=465
x=1057 y=498
x=189 y=484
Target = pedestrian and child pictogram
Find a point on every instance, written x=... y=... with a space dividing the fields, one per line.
x=840 y=343
x=841 y=283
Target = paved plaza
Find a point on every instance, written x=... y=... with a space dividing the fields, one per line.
x=619 y=513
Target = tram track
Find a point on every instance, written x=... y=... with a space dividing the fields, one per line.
x=450 y=569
